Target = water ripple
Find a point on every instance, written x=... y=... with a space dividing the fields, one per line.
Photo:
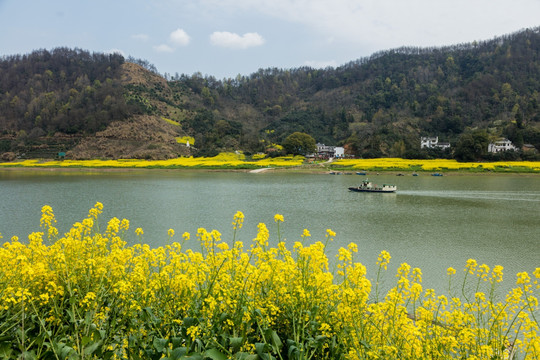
x=477 y=195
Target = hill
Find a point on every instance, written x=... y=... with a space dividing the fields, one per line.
x=102 y=106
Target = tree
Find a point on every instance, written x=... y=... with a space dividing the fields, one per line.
x=299 y=144
x=472 y=146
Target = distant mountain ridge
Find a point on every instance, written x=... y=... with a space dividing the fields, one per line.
x=99 y=106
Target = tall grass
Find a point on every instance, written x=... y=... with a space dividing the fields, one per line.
x=88 y=295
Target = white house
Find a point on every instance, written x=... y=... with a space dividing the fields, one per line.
x=330 y=151
x=501 y=145
x=433 y=142
x=428 y=142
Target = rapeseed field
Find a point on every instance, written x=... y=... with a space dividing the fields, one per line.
x=86 y=294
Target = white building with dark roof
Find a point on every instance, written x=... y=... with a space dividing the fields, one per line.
x=501 y=145
x=433 y=142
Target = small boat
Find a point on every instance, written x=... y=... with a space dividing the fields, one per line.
x=437 y=174
x=368 y=186
x=361 y=173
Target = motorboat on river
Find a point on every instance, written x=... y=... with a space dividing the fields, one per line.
x=368 y=186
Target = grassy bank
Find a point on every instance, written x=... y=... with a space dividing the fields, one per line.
x=89 y=295
x=221 y=161
x=442 y=165
x=231 y=161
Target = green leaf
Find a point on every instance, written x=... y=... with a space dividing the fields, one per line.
x=85 y=340
x=193 y=357
x=178 y=353
x=189 y=321
x=292 y=351
x=89 y=350
x=246 y=356
x=160 y=344
x=28 y=355
x=276 y=341
x=215 y=354
x=5 y=350
x=262 y=350
x=177 y=342
x=236 y=343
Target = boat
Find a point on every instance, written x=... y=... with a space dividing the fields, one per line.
x=361 y=173
x=368 y=186
x=437 y=174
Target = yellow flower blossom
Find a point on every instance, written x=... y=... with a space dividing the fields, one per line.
x=238 y=220
x=384 y=259
x=91 y=281
x=471 y=266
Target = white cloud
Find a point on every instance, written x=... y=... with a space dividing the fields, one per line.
x=235 y=41
x=163 y=48
x=179 y=37
x=321 y=64
x=387 y=24
x=140 y=37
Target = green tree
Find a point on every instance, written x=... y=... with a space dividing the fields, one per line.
x=472 y=146
x=299 y=144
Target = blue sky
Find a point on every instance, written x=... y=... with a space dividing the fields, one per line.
x=224 y=38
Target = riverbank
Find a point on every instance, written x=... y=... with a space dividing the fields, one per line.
x=238 y=162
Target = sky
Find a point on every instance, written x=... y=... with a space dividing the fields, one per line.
x=224 y=38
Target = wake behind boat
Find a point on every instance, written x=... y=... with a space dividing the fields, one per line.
x=368 y=186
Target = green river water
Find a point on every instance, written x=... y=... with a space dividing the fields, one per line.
x=431 y=222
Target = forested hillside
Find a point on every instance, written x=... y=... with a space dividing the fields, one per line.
x=466 y=94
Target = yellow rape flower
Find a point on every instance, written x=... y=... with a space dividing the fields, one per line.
x=471 y=266
x=523 y=278
x=352 y=247
x=194 y=332
x=238 y=220
x=278 y=218
x=497 y=274
x=262 y=235
x=384 y=259
x=124 y=224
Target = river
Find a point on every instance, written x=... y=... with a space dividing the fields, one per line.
x=431 y=222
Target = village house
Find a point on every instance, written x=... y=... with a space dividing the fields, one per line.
x=501 y=145
x=433 y=142
x=325 y=151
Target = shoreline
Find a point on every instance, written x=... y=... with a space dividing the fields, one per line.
x=304 y=169
x=231 y=162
